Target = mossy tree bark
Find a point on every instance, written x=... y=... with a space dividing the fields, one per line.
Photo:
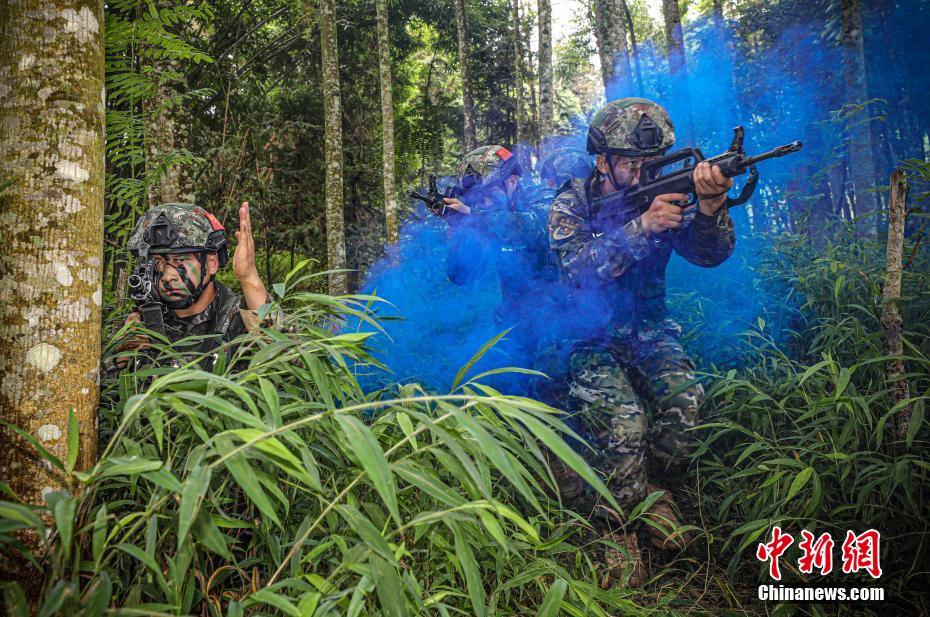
x=468 y=103
x=332 y=111
x=546 y=119
x=387 y=121
x=51 y=222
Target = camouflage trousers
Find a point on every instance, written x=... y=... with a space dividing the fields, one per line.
x=633 y=399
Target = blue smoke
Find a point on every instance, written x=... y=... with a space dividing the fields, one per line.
x=784 y=86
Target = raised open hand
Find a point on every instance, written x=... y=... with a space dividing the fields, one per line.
x=244 y=257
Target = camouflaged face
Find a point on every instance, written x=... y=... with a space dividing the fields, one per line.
x=618 y=121
x=192 y=223
x=566 y=163
x=485 y=161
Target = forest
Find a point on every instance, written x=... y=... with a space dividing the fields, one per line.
x=380 y=440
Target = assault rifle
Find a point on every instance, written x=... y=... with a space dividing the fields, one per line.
x=434 y=199
x=624 y=206
x=143 y=291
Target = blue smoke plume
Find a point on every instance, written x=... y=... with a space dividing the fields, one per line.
x=786 y=84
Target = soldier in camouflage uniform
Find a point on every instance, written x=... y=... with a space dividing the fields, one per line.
x=189 y=248
x=499 y=223
x=631 y=382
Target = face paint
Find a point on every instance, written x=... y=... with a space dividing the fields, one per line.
x=180 y=278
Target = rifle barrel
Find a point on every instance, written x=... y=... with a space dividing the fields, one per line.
x=794 y=146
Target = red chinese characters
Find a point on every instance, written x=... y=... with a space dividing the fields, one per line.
x=817 y=553
x=771 y=551
x=862 y=553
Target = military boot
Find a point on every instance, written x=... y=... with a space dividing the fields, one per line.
x=624 y=564
x=664 y=513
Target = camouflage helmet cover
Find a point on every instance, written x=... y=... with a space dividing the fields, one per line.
x=486 y=165
x=188 y=229
x=563 y=164
x=631 y=127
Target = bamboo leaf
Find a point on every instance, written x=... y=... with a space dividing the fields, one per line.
x=553 y=600
x=369 y=454
x=74 y=441
x=192 y=494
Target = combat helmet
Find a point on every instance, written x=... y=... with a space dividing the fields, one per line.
x=563 y=164
x=487 y=165
x=631 y=127
x=180 y=228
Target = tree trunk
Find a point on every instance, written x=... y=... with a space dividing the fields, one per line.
x=633 y=48
x=603 y=44
x=891 y=316
x=517 y=73
x=332 y=129
x=674 y=39
x=167 y=133
x=387 y=122
x=471 y=139
x=620 y=60
x=52 y=146
x=546 y=91
x=861 y=153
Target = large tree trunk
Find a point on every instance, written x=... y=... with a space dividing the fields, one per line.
x=674 y=39
x=517 y=72
x=546 y=119
x=332 y=129
x=387 y=122
x=51 y=146
x=471 y=139
x=861 y=157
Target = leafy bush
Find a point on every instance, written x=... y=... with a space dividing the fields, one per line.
x=284 y=488
x=802 y=435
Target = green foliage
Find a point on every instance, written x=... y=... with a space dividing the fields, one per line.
x=803 y=435
x=282 y=487
x=144 y=53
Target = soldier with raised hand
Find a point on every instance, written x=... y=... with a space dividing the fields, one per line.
x=188 y=246
x=630 y=382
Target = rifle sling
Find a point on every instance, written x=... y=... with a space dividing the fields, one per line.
x=748 y=189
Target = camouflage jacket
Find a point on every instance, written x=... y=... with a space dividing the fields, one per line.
x=622 y=268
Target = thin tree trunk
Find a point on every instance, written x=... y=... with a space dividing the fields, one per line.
x=861 y=153
x=517 y=72
x=332 y=129
x=546 y=91
x=604 y=50
x=634 y=49
x=674 y=39
x=387 y=122
x=891 y=316
x=52 y=146
x=471 y=139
